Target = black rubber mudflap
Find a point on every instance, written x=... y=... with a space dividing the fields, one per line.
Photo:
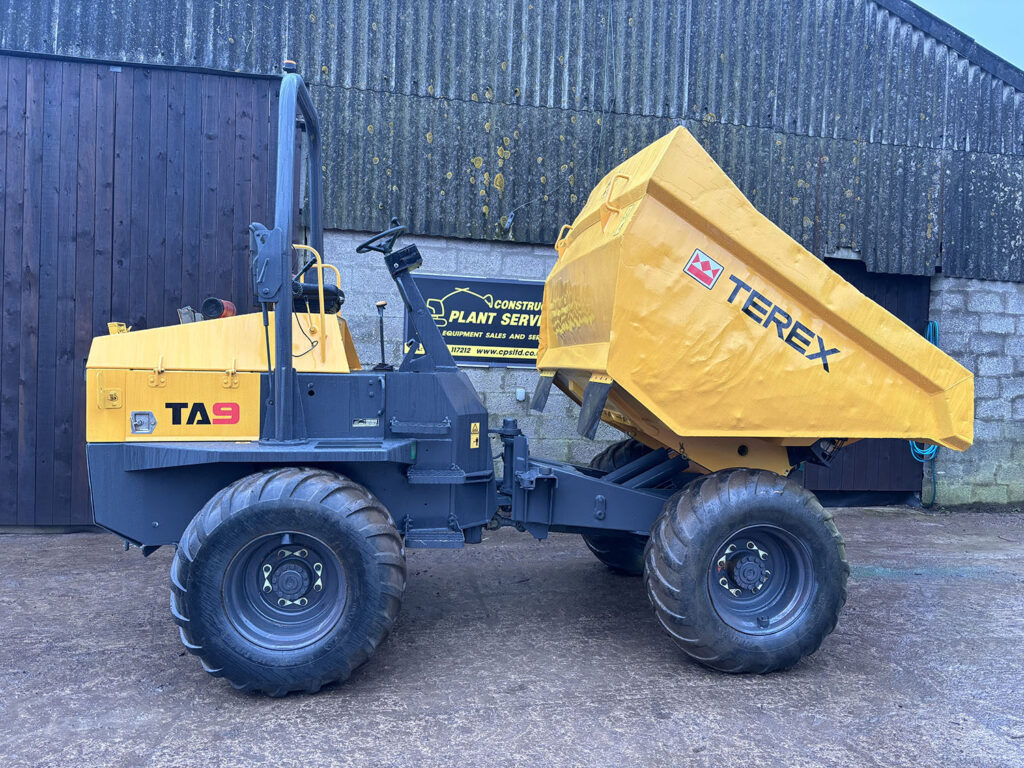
x=540 y=394
x=594 y=398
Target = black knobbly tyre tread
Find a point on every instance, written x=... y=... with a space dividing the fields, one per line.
x=619 y=550
x=210 y=670
x=192 y=647
x=684 y=540
x=619 y=454
x=180 y=620
x=353 y=507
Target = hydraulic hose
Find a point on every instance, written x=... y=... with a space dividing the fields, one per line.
x=926 y=454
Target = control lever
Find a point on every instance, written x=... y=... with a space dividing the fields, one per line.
x=382 y=365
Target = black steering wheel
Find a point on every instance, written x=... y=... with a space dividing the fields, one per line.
x=383 y=242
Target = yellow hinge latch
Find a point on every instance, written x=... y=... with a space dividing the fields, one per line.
x=230 y=380
x=157 y=378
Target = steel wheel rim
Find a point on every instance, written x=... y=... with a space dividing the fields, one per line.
x=285 y=590
x=744 y=597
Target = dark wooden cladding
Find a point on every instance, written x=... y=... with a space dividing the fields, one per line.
x=125 y=193
x=877 y=465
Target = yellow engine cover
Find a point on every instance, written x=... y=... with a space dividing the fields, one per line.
x=198 y=381
x=712 y=322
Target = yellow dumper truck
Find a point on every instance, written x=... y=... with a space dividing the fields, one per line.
x=292 y=477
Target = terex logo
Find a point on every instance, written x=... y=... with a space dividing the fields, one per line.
x=765 y=313
x=703 y=269
x=223 y=413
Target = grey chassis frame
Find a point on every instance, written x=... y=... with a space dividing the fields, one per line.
x=405 y=434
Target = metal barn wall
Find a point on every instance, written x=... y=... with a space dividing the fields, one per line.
x=125 y=193
x=866 y=125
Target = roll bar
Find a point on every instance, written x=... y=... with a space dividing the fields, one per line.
x=271 y=251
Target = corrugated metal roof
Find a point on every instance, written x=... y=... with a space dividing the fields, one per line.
x=853 y=124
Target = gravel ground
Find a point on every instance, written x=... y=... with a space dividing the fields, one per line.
x=525 y=653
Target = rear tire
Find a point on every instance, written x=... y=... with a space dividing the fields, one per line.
x=621 y=551
x=746 y=571
x=287 y=580
x=619 y=454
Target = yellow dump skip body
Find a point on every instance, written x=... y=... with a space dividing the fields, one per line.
x=712 y=323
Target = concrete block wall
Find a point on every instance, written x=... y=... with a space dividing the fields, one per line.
x=981 y=324
x=366 y=281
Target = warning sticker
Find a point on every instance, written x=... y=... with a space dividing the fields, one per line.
x=703 y=269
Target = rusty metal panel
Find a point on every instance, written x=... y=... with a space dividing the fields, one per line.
x=984 y=200
x=881 y=88
x=452 y=168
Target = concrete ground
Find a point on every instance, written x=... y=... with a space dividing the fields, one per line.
x=524 y=653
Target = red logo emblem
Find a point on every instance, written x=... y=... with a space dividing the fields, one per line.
x=703 y=269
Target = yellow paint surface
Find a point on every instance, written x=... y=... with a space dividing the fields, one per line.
x=691 y=361
x=206 y=405
x=213 y=367
x=230 y=343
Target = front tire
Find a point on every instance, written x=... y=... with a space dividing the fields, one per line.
x=746 y=571
x=287 y=580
